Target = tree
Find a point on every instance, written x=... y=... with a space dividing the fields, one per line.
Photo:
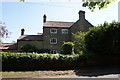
x=3 y=30
x=92 y=4
x=21 y=0
x=104 y=39
x=14 y=42
x=79 y=42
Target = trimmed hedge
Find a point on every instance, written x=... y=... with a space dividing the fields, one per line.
x=34 y=61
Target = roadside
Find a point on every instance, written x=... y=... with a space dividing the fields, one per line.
x=83 y=72
x=36 y=74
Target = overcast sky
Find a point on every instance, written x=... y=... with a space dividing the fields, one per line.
x=29 y=15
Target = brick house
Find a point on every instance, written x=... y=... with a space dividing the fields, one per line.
x=54 y=33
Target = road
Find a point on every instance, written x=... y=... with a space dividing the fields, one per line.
x=84 y=73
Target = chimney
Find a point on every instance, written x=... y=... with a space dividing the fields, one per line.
x=44 y=18
x=22 y=31
x=81 y=14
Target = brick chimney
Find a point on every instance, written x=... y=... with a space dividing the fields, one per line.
x=22 y=31
x=81 y=14
x=44 y=18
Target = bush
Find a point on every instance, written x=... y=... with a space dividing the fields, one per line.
x=32 y=61
x=68 y=48
x=28 y=48
x=79 y=42
x=104 y=39
x=43 y=51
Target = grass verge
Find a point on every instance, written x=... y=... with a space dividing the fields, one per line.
x=35 y=74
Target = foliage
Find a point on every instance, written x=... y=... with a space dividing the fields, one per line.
x=104 y=39
x=43 y=51
x=28 y=48
x=79 y=42
x=92 y=4
x=34 y=61
x=14 y=42
x=21 y=0
x=68 y=47
x=3 y=30
x=31 y=48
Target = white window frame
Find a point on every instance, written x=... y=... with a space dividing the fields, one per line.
x=63 y=31
x=54 y=30
x=52 y=42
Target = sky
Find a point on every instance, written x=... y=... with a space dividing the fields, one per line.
x=29 y=15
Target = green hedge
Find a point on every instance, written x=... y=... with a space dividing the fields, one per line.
x=104 y=39
x=34 y=61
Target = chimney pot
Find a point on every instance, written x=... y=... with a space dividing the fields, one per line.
x=22 y=31
x=44 y=18
x=81 y=14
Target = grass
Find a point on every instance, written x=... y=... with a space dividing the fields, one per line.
x=34 y=74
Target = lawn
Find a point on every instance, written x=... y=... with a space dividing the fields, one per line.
x=36 y=74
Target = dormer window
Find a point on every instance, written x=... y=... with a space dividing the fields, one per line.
x=53 y=30
x=64 y=31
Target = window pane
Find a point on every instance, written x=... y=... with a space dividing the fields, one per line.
x=53 y=41
x=53 y=30
x=64 y=31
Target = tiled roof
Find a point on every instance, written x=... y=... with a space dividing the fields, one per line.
x=58 y=24
x=31 y=37
x=9 y=46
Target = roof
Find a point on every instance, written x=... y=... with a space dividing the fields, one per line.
x=39 y=33
x=9 y=46
x=58 y=24
x=31 y=37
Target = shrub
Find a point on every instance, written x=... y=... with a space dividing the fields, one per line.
x=43 y=51
x=32 y=61
x=104 y=39
x=68 y=48
x=28 y=48
x=79 y=42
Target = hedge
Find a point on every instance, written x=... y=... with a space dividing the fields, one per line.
x=104 y=39
x=34 y=61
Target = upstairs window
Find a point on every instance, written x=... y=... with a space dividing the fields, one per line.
x=64 y=31
x=53 y=41
x=53 y=30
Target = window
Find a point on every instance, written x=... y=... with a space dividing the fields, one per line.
x=53 y=52
x=53 y=30
x=53 y=40
x=64 y=31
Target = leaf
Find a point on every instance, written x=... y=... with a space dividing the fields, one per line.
x=21 y=0
x=92 y=10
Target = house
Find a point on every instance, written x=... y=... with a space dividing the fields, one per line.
x=54 y=33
